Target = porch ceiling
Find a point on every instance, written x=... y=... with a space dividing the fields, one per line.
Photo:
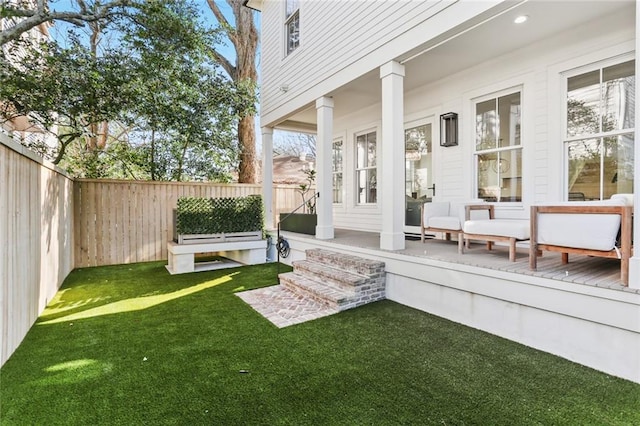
x=465 y=47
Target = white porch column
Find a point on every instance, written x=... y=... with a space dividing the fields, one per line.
x=391 y=178
x=324 y=176
x=634 y=262
x=267 y=176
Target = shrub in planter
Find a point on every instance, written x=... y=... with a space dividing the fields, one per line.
x=304 y=222
x=218 y=217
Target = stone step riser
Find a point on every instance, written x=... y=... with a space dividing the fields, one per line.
x=340 y=305
x=333 y=297
x=328 y=274
x=293 y=285
x=347 y=262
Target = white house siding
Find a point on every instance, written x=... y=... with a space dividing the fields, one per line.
x=341 y=40
x=536 y=69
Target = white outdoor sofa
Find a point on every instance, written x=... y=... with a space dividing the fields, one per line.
x=447 y=217
x=592 y=228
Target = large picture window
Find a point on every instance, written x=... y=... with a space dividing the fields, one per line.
x=292 y=25
x=498 y=148
x=337 y=171
x=366 y=173
x=600 y=127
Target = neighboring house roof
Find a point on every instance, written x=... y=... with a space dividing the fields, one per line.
x=289 y=169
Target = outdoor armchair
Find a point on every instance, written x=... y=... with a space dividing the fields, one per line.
x=592 y=228
x=446 y=217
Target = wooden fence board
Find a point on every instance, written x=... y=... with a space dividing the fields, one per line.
x=36 y=239
x=4 y=252
x=131 y=221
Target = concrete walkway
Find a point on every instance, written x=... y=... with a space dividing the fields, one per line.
x=283 y=307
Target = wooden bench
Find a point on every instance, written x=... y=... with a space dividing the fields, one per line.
x=182 y=256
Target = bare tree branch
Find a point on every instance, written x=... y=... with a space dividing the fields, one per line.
x=226 y=64
x=30 y=18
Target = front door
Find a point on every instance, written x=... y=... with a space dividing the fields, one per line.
x=419 y=184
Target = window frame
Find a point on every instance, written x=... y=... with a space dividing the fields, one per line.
x=289 y=18
x=335 y=171
x=367 y=168
x=498 y=150
x=601 y=134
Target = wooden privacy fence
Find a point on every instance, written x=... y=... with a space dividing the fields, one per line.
x=128 y=221
x=36 y=242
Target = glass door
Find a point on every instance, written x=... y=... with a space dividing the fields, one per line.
x=419 y=184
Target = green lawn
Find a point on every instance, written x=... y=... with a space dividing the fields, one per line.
x=132 y=345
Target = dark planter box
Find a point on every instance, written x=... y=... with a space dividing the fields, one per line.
x=302 y=223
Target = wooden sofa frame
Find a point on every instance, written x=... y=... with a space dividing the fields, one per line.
x=624 y=253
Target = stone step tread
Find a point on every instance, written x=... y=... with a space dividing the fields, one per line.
x=346 y=262
x=328 y=293
x=324 y=271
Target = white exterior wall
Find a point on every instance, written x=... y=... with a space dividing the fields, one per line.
x=351 y=38
x=536 y=69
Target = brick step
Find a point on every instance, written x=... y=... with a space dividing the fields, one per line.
x=347 y=262
x=330 y=295
x=329 y=274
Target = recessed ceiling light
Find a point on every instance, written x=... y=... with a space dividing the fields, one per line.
x=521 y=19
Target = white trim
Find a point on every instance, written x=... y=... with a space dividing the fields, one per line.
x=525 y=84
x=556 y=95
x=285 y=30
x=340 y=205
x=566 y=140
x=424 y=120
x=356 y=203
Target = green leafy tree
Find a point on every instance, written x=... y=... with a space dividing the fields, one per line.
x=157 y=97
x=63 y=91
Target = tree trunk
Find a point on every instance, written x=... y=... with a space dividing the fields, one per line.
x=244 y=37
x=247 y=139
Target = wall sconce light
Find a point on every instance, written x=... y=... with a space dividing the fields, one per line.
x=284 y=88
x=449 y=129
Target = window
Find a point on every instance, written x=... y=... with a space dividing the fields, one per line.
x=600 y=132
x=292 y=25
x=498 y=150
x=336 y=156
x=366 y=179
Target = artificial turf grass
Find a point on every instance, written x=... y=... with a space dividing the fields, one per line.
x=211 y=359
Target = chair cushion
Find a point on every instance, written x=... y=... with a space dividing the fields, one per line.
x=436 y=208
x=626 y=198
x=444 y=222
x=512 y=228
x=584 y=231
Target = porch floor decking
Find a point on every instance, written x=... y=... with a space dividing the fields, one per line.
x=586 y=270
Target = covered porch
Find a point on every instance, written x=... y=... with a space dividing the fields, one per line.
x=379 y=104
x=581 y=270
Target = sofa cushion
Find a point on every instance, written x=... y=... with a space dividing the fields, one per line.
x=626 y=198
x=444 y=222
x=585 y=231
x=512 y=228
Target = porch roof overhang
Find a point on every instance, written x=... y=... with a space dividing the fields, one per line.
x=490 y=35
